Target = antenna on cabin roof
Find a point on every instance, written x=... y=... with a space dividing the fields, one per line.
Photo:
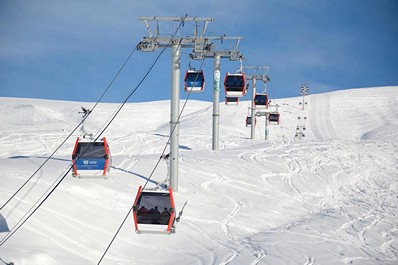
x=83 y=132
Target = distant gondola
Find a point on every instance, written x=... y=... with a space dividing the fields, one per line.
x=235 y=85
x=194 y=81
x=261 y=100
x=154 y=211
x=249 y=121
x=231 y=100
x=91 y=158
x=273 y=118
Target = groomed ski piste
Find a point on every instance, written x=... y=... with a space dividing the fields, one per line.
x=327 y=198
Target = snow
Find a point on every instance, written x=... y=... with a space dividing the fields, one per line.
x=328 y=198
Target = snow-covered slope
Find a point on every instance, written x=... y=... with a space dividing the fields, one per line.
x=328 y=198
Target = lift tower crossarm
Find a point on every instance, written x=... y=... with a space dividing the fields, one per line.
x=175 y=19
x=154 y=41
x=208 y=49
x=261 y=72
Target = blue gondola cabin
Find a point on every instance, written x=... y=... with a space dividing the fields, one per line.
x=194 y=81
x=91 y=158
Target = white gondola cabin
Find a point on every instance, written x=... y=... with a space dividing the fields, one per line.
x=194 y=81
x=154 y=211
x=231 y=101
x=235 y=85
x=261 y=100
x=273 y=118
x=91 y=158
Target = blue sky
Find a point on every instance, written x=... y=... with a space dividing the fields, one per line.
x=71 y=50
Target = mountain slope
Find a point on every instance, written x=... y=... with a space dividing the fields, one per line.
x=329 y=198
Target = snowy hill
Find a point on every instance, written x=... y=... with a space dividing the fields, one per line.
x=328 y=198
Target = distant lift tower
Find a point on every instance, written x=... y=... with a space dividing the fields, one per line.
x=260 y=73
x=304 y=90
x=154 y=41
x=211 y=51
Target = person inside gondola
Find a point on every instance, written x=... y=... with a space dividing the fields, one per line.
x=142 y=210
x=142 y=215
x=154 y=214
x=166 y=211
x=165 y=216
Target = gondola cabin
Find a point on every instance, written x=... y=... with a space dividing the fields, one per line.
x=261 y=101
x=235 y=85
x=273 y=118
x=231 y=101
x=249 y=121
x=90 y=158
x=154 y=211
x=194 y=81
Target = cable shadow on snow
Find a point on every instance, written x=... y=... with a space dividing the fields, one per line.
x=183 y=147
x=36 y=181
x=41 y=157
x=136 y=174
x=6 y=263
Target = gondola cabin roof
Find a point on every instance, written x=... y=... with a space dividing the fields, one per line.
x=154 y=211
x=235 y=85
x=261 y=100
x=194 y=81
x=90 y=158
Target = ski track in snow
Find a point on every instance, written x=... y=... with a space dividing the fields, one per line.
x=320 y=119
x=326 y=199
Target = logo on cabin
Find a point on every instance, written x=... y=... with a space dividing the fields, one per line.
x=90 y=162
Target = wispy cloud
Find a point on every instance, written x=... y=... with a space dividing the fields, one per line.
x=332 y=44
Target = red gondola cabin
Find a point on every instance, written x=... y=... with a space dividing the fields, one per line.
x=154 y=211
